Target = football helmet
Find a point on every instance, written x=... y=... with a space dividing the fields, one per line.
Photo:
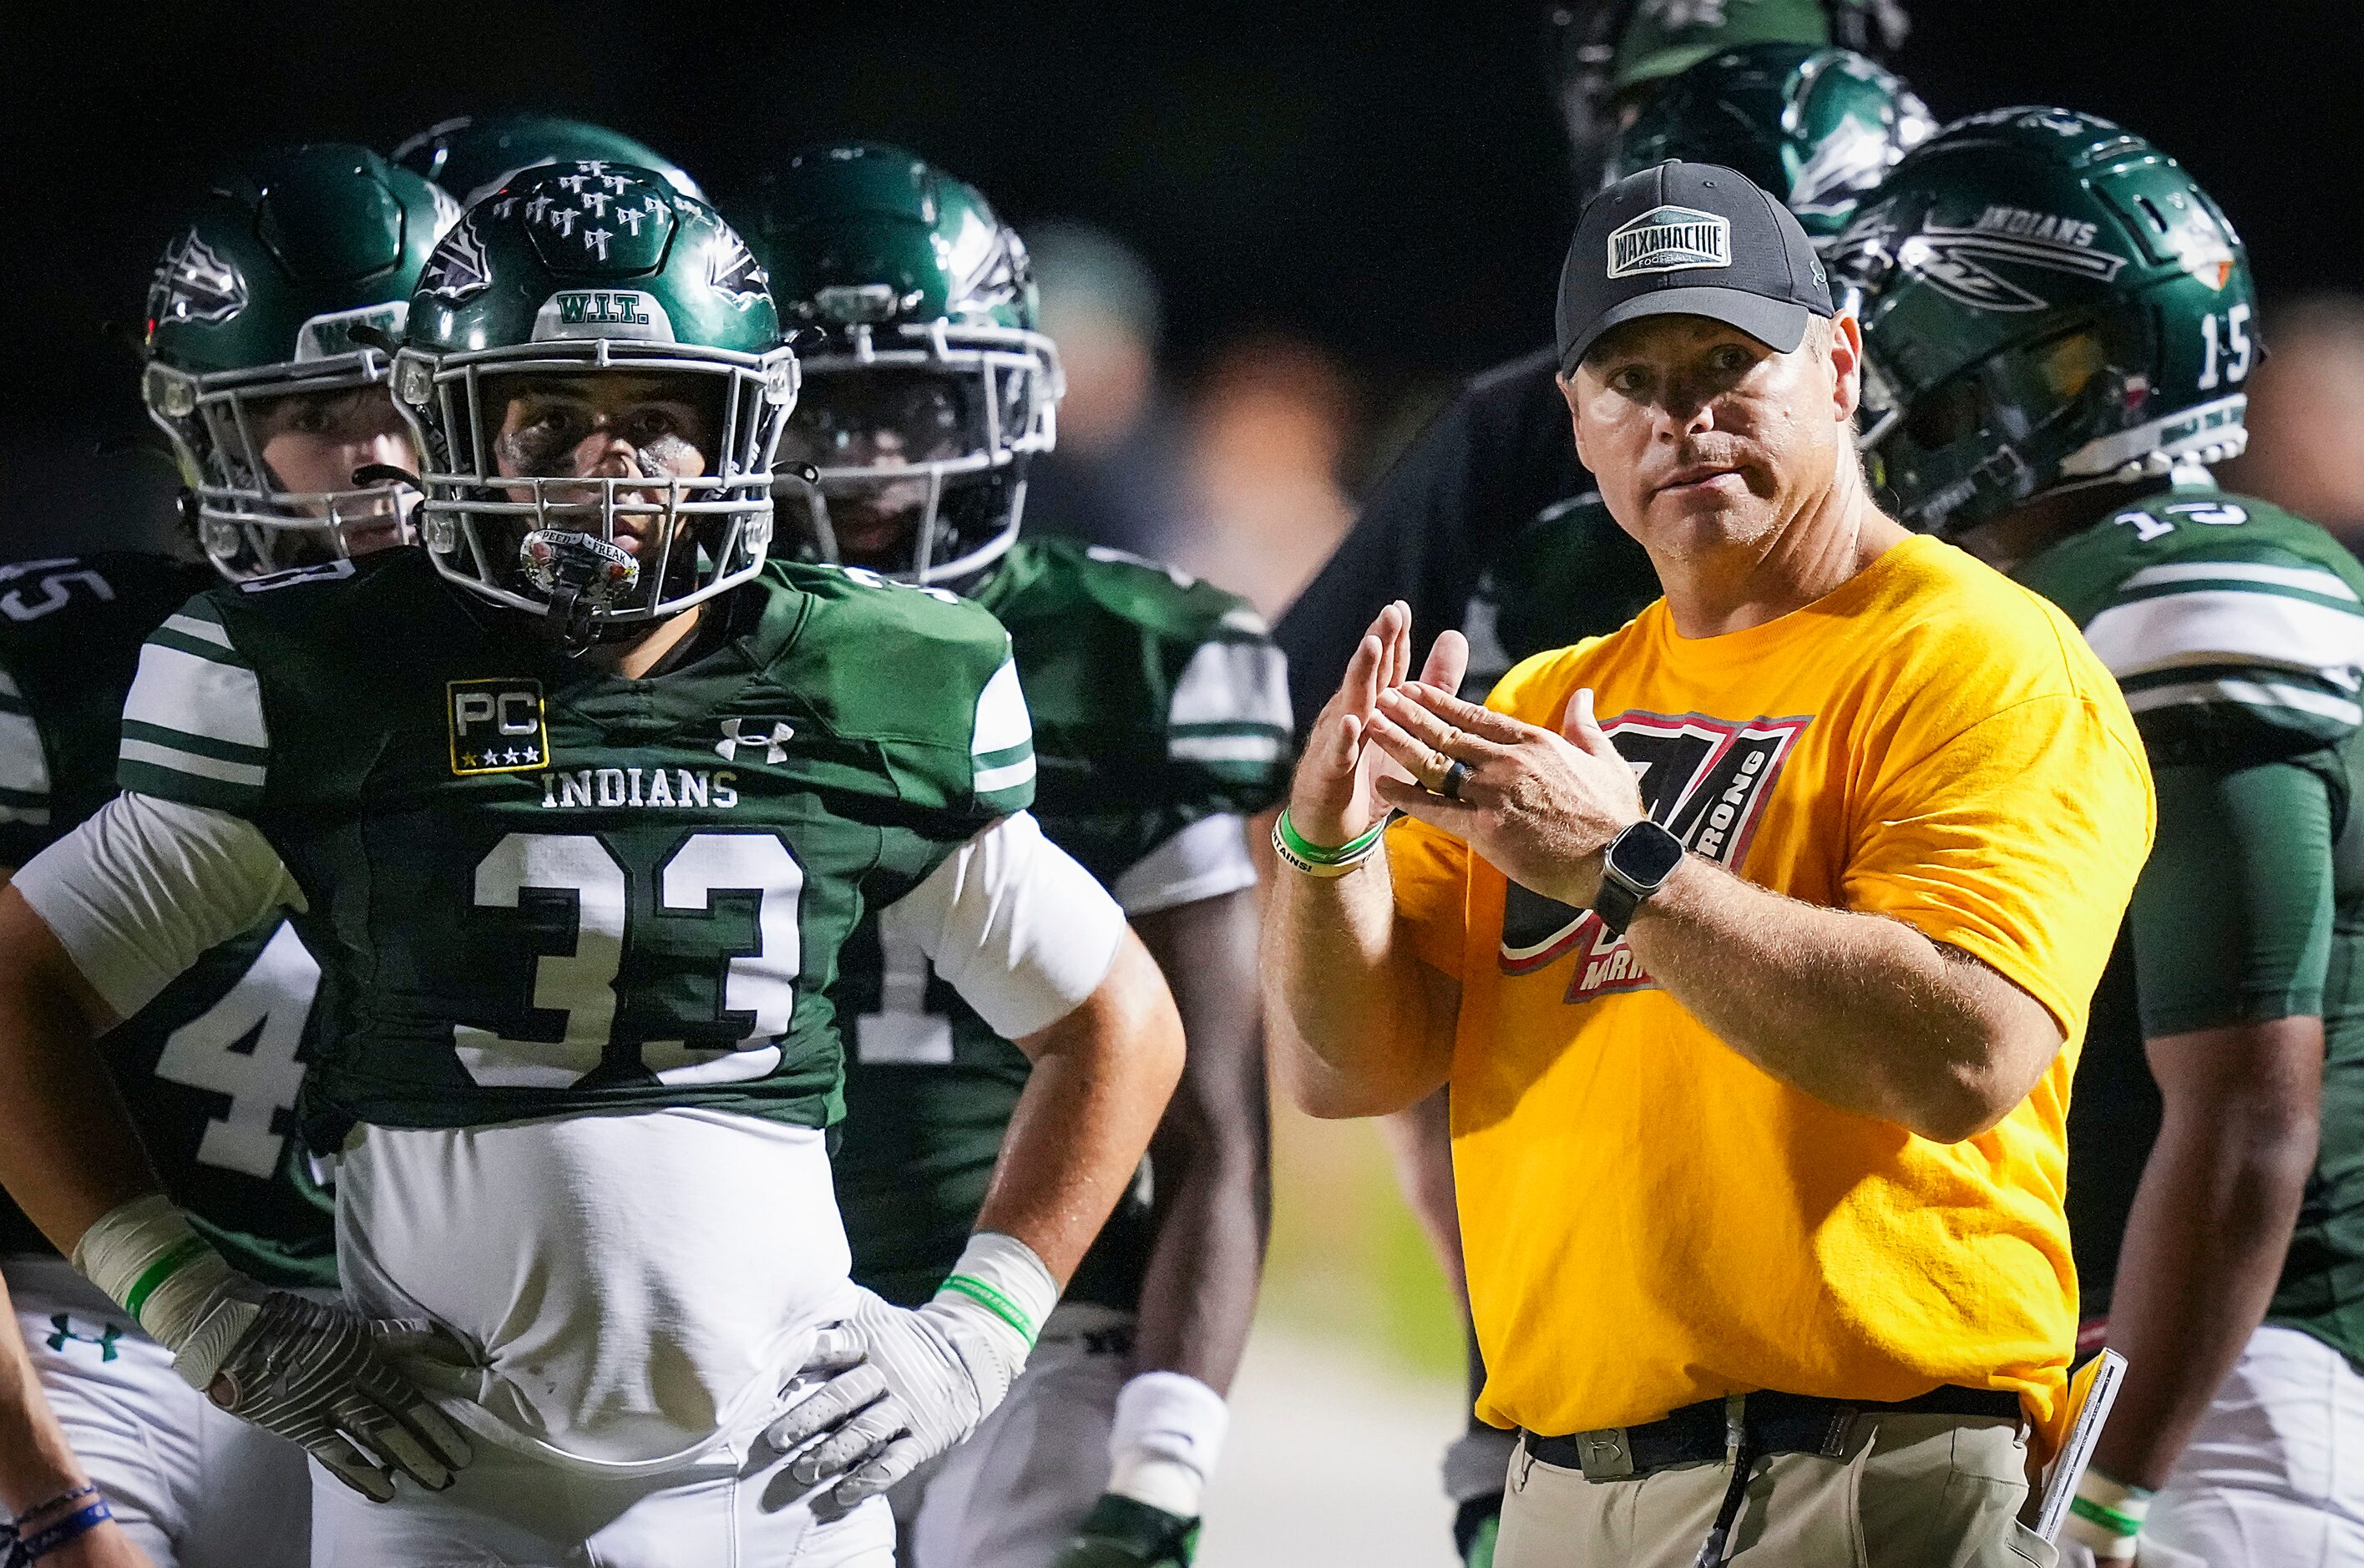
x=2048 y=301
x=254 y=300
x=571 y=272
x=1607 y=55
x=927 y=386
x=475 y=155
x=1818 y=127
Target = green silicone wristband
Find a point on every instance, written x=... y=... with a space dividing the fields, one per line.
x=1321 y=855
x=993 y=1301
x=2101 y=1514
x=176 y=1257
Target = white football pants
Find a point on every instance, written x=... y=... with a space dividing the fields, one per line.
x=506 y=1510
x=1011 y=1496
x=193 y=1487
x=2274 y=1477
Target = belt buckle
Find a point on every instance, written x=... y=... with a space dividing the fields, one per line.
x=1605 y=1454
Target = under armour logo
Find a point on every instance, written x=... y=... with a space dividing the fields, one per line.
x=734 y=735
x=66 y=1335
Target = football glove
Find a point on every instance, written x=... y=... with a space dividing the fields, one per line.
x=899 y=1386
x=315 y=1375
x=1122 y=1533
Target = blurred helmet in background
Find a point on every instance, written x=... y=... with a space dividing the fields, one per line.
x=1608 y=56
x=1817 y=127
x=252 y=307
x=2048 y=301
x=928 y=383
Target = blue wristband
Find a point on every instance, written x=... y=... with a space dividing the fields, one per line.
x=48 y=1538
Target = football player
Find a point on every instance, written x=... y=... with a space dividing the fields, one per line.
x=1493 y=510
x=2059 y=328
x=576 y=805
x=271 y=407
x=1162 y=720
x=475 y=155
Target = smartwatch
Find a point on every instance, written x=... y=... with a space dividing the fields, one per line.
x=1636 y=864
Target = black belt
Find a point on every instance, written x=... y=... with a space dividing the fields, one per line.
x=1773 y=1422
x=1769 y=1423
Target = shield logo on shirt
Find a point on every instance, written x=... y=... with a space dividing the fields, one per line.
x=1706 y=781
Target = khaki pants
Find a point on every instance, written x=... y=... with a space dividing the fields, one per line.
x=1908 y=1492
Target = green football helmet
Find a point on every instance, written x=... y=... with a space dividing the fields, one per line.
x=928 y=388
x=254 y=301
x=1608 y=56
x=1818 y=127
x=2048 y=301
x=569 y=273
x=473 y=155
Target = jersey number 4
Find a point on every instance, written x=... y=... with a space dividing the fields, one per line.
x=580 y=985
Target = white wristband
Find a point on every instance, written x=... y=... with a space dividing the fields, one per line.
x=1168 y=1434
x=144 y=1255
x=1000 y=1277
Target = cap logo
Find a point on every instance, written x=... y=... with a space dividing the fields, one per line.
x=1671 y=239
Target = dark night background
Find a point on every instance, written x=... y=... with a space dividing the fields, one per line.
x=1384 y=178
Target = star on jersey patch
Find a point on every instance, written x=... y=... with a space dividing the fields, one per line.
x=497 y=727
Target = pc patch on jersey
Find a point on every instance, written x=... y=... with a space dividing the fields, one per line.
x=496 y=726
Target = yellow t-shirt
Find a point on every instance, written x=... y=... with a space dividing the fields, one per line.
x=1648 y=1218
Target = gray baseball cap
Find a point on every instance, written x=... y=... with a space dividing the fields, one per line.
x=1688 y=239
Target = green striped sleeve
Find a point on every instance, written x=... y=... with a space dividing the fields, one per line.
x=24 y=771
x=1229 y=710
x=2231 y=655
x=1001 y=745
x=193 y=725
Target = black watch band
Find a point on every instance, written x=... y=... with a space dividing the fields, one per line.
x=1636 y=864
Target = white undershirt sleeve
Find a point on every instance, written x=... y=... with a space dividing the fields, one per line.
x=1206 y=860
x=143 y=888
x=1014 y=925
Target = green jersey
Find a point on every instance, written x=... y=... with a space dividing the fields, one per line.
x=1160 y=707
x=1570 y=574
x=539 y=889
x=210 y=1067
x=2236 y=631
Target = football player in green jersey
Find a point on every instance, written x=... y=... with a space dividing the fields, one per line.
x=2058 y=326
x=576 y=805
x=1162 y=720
x=474 y=155
x=272 y=408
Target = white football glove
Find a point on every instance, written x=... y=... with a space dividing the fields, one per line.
x=901 y=1387
x=315 y=1375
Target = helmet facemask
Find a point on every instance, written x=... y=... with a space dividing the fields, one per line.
x=918 y=438
x=508 y=517
x=247 y=521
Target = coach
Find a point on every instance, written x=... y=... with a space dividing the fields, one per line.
x=1754 y=941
